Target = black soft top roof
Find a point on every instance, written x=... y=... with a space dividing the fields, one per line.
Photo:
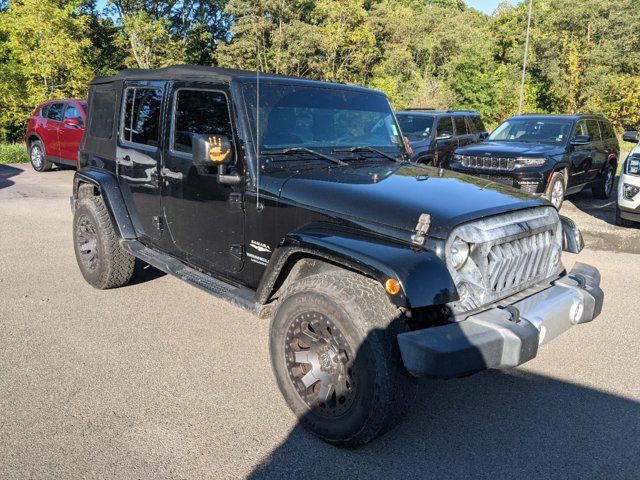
x=198 y=72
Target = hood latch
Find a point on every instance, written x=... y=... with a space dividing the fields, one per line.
x=424 y=222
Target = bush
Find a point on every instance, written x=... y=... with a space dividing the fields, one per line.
x=13 y=153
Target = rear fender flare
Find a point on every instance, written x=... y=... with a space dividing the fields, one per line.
x=107 y=186
x=423 y=276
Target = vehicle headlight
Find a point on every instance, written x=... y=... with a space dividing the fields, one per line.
x=457 y=158
x=530 y=162
x=633 y=165
x=458 y=253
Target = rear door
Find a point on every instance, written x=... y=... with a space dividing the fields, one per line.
x=445 y=146
x=49 y=129
x=205 y=218
x=138 y=155
x=70 y=134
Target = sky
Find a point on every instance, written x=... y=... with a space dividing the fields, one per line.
x=486 y=6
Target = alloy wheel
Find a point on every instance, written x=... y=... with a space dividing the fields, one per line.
x=557 y=194
x=87 y=243
x=37 y=157
x=608 y=183
x=320 y=364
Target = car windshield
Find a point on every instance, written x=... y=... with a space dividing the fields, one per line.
x=320 y=118
x=415 y=125
x=535 y=130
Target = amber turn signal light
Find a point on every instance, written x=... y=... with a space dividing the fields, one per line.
x=392 y=286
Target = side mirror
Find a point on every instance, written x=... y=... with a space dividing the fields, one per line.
x=631 y=137
x=572 y=241
x=73 y=122
x=215 y=150
x=484 y=136
x=444 y=135
x=581 y=140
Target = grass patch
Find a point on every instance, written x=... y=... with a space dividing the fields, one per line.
x=13 y=153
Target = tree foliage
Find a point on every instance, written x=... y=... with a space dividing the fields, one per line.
x=584 y=56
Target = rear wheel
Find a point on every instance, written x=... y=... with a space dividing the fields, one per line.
x=556 y=190
x=103 y=263
x=336 y=358
x=38 y=158
x=604 y=188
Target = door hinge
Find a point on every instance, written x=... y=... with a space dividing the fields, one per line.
x=157 y=222
x=236 y=250
x=235 y=200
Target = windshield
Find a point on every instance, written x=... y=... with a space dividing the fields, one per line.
x=294 y=116
x=533 y=130
x=415 y=125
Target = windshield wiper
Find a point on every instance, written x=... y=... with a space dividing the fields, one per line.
x=366 y=149
x=298 y=150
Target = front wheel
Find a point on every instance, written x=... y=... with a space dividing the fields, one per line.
x=336 y=358
x=556 y=190
x=38 y=158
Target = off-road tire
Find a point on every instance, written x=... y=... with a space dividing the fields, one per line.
x=361 y=311
x=38 y=157
x=557 y=182
x=623 y=222
x=602 y=190
x=111 y=266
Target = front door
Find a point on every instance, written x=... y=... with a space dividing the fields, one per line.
x=445 y=146
x=138 y=155
x=70 y=133
x=204 y=218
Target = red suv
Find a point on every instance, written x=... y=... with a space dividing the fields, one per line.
x=54 y=132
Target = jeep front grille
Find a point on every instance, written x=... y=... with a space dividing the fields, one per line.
x=508 y=253
x=494 y=163
x=514 y=263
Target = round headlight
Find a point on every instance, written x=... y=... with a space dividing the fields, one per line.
x=458 y=253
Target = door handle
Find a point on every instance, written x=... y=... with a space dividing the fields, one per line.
x=125 y=161
x=165 y=172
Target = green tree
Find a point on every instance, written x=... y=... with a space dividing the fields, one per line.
x=46 y=53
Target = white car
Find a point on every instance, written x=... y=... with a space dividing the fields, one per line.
x=628 y=208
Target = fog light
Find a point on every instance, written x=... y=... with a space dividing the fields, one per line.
x=629 y=191
x=576 y=312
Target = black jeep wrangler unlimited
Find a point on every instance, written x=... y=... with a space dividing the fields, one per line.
x=295 y=199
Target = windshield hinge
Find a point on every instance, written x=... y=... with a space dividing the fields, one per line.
x=424 y=222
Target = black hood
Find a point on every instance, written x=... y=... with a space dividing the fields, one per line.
x=395 y=195
x=511 y=149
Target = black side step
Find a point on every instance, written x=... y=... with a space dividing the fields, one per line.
x=239 y=296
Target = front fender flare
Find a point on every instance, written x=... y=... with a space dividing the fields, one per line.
x=107 y=185
x=423 y=276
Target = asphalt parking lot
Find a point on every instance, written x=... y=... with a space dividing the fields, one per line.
x=160 y=380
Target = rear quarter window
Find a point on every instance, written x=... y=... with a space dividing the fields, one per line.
x=102 y=113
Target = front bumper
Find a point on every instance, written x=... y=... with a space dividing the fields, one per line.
x=629 y=207
x=504 y=337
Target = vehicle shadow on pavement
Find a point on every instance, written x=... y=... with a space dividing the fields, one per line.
x=6 y=172
x=511 y=424
x=145 y=273
x=604 y=210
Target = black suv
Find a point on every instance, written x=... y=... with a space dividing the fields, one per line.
x=551 y=155
x=295 y=199
x=434 y=134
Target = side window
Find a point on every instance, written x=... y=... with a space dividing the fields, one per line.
x=44 y=110
x=55 y=111
x=607 y=130
x=581 y=128
x=198 y=112
x=141 y=116
x=72 y=112
x=102 y=113
x=594 y=130
x=477 y=124
x=445 y=124
x=461 y=125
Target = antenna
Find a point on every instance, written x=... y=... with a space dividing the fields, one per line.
x=258 y=204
